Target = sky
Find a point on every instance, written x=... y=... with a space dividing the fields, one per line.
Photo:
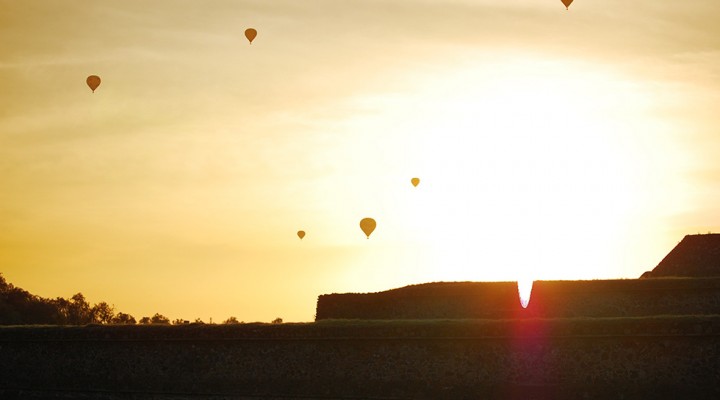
x=549 y=144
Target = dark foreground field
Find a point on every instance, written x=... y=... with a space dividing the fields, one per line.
x=570 y=358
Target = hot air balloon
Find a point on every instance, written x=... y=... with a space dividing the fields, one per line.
x=251 y=33
x=368 y=226
x=415 y=181
x=301 y=234
x=93 y=81
x=567 y=3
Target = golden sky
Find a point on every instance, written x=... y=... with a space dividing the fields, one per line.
x=550 y=144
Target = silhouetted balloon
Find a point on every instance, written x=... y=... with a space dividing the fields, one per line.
x=368 y=226
x=93 y=81
x=415 y=181
x=301 y=234
x=250 y=34
x=567 y=3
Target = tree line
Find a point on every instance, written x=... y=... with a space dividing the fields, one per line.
x=20 y=307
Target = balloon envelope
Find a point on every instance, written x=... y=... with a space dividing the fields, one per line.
x=250 y=34
x=567 y=3
x=415 y=181
x=368 y=226
x=93 y=81
x=301 y=234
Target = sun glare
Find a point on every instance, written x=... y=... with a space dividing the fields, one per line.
x=525 y=171
x=524 y=291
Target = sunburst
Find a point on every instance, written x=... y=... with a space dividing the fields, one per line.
x=524 y=291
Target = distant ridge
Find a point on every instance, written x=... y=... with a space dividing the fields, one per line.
x=696 y=256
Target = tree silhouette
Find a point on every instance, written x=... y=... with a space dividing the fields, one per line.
x=122 y=318
x=76 y=311
x=18 y=307
x=80 y=310
x=231 y=321
x=103 y=313
x=159 y=319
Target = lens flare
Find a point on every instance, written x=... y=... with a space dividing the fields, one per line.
x=524 y=291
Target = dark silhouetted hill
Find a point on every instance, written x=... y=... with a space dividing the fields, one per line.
x=696 y=256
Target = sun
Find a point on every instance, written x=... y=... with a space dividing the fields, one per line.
x=524 y=291
x=530 y=169
x=525 y=172
x=542 y=174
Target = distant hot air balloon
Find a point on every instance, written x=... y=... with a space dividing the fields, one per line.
x=415 y=181
x=251 y=33
x=301 y=234
x=368 y=226
x=567 y=3
x=93 y=81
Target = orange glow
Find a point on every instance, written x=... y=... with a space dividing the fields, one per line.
x=490 y=141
